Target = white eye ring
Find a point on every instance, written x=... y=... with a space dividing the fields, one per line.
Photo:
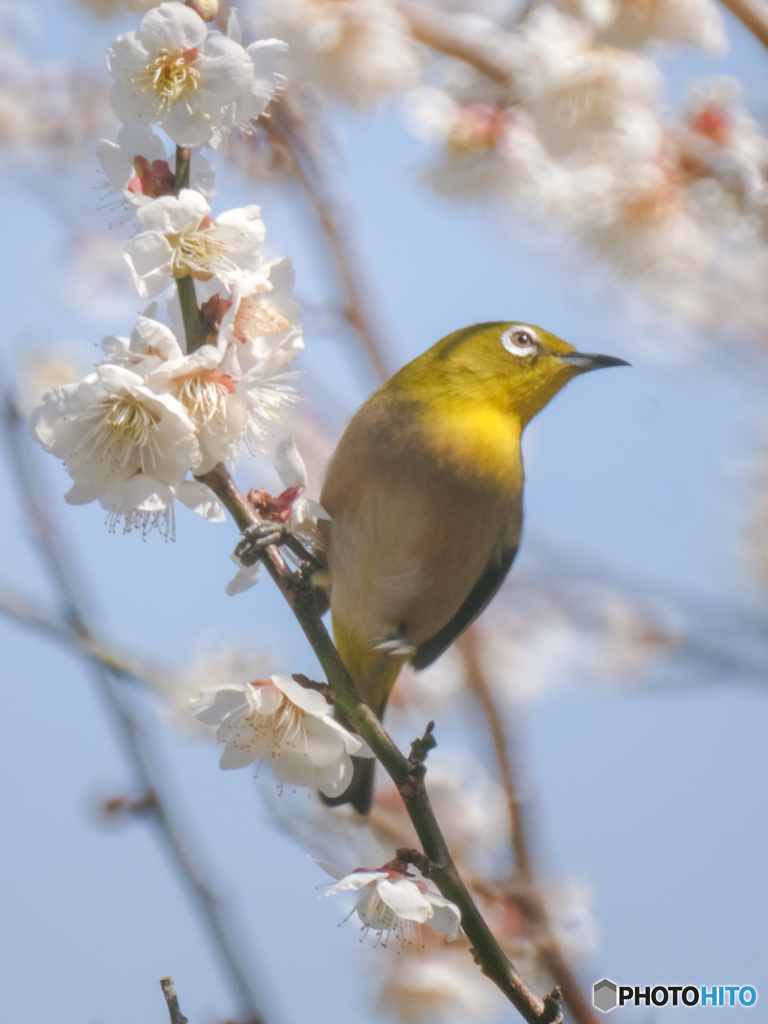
x=519 y=340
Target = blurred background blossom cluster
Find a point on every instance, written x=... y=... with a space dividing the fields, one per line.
x=600 y=168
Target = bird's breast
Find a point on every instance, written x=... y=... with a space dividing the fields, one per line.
x=420 y=505
x=475 y=442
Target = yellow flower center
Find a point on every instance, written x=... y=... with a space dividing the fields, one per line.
x=196 y=252
x=284 y=728
x=202 y=394
x=120 y=425
x=254 y=320
x=172 y=74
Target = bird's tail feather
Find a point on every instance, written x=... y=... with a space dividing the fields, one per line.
x=374 y=673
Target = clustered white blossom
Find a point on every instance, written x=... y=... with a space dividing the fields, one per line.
x=194 y=83
x=361 y=49
x=154 y=412
x=577 y=133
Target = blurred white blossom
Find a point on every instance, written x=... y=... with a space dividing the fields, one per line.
x=424 y=987
x=361 y=49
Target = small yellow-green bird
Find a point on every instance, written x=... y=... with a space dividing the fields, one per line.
x=425 y=497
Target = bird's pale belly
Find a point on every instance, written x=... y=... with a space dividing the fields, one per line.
x=403 y=562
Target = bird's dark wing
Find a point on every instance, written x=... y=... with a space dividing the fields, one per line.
x=479 y=596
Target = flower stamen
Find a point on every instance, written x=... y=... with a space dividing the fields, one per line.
x=203 y=394
x=254 y=320
x=122 y=424
x=170 y=75
x=195 y=251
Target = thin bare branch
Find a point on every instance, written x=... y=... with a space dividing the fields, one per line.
x=753 y=14
x=406 y=772
x=526 y=888
x=285 y=128
x=169 y=991
x=28 y=613
x=437 y=31
x=149 y=780
x=478 y=684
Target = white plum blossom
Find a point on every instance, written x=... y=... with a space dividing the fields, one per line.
x=125 y=442
x=723 y=154
x=362 y=49
x=150 y=344
x=266 y=323
x=202 y=384
x=176 y=73
x=225 y=405
x=263 y=396
x=280 y=721
x=580 y=92
x=265 y=55
x=179 y=237
x=639 y=216
x=393 y=903
x=487 y=150
x=247 y=576
x=110 y=427
x=146 y=504
x=690 y=22
x=137 y=166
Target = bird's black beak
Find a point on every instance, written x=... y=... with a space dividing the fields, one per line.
x=582 y=362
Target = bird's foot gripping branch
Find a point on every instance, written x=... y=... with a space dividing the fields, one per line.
x=408 y=773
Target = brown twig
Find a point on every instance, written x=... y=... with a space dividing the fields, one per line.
x=478 y=684
x=753 y=14
x=284 y=127
x=525 y=883
x=29 y=613
x=406 y=773
x=435 y=30
x=169 y=991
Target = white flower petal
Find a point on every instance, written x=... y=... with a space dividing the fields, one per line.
x=446 y=918
x=212 y=705
x=406 y=899
x=336 y=778
x=308 y=700
x=200 y=499
x=356 y=881
x=290 y=465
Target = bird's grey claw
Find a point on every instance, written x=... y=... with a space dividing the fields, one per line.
x=395 y=647
x=256 y=538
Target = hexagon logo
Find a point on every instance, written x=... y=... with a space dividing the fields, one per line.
x=604 y=995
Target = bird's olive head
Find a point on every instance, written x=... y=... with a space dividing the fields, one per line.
x=515 y=365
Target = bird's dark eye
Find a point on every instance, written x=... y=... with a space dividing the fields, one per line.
x=519 y=341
